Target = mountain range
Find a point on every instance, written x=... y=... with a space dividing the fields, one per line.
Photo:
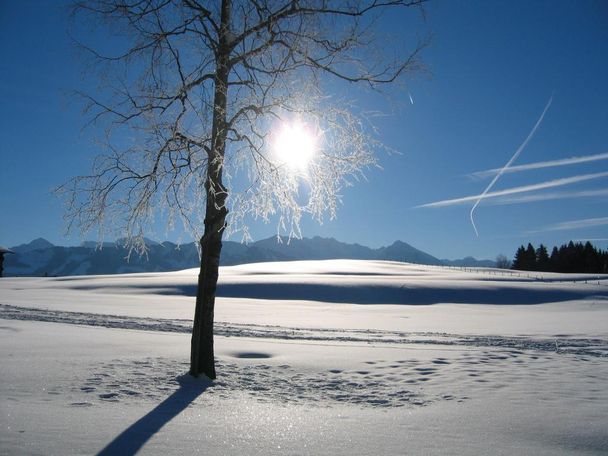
x=40 y=257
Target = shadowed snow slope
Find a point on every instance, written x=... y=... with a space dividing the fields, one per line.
x=381 y=282
x=352 y=281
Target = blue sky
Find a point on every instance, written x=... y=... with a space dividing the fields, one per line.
x=493 y=66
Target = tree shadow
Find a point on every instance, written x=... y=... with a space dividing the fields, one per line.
x=132 y=439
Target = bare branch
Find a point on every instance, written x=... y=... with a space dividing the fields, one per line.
x=200 y=93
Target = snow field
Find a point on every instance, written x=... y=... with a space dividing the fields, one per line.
x=98 y=364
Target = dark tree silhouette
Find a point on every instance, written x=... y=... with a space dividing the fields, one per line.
x=3 y=251
x=571 y=257
x=519 y=262
x=530 y=258
x=554 y=259
x=542 y=258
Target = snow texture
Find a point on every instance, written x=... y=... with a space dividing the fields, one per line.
x=323 y=357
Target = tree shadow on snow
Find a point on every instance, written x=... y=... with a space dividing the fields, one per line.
x=132 y=439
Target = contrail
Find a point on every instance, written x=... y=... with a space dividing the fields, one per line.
x=545 y=164
x=513 y=158
x=523 y=189
x=546 y=197
x=575 y=224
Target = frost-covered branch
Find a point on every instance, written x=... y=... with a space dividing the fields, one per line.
x=157 y=105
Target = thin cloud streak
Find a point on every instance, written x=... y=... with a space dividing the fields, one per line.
x=575 y=224
x=513 y=158
x=515 y=190
x=502 y=201
x=539 y=165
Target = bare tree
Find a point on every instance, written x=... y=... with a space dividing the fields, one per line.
x=202 y=88
x=502 y=262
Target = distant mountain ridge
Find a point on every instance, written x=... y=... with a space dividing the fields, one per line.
x=40 y=257
x=470 y=262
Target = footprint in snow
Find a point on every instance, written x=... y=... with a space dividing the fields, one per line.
x=81 y=404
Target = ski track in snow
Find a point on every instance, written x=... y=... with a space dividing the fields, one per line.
x=593 y=347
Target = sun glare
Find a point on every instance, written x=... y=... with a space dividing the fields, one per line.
x=295 y=145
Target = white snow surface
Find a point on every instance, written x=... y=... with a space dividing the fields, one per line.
x=313 y=357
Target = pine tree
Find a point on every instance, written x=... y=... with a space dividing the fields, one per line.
x=542 y=259
x=530 y=258
x=554 y=259
x=519 y=259
x=572 y=257
x=591 y=258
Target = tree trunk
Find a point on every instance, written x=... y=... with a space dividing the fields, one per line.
x=202 y=359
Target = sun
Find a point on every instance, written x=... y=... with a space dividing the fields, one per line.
x=295 y=145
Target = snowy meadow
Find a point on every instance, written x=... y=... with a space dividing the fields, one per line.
x=313 y=357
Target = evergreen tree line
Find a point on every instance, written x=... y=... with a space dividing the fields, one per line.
x=571 y=257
